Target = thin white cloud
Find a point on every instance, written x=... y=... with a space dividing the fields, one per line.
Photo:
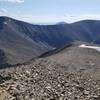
x=3 y=10
x=74 y=18
x=55 y=19
x=52 y=19
x=13 y=1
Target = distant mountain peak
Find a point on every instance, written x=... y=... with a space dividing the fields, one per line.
x=5 y=17
x=61 y=23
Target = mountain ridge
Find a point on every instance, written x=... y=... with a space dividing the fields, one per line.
x=21 y=41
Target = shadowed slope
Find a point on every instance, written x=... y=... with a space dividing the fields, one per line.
x=21 y=41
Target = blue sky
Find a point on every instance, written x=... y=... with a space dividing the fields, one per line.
x=48 y=11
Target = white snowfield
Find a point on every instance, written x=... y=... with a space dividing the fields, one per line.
x=91 y=47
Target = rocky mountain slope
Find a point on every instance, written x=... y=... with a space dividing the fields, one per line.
x=77 y=59
x=46 y=80
x=21 y=41
x=71 y=73
x=63 y=70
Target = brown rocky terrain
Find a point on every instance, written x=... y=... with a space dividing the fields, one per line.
x=78 y=59
x=71 y=74
x=44 y=62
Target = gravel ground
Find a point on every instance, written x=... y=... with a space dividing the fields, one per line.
x=78 y=59
x=46 y=80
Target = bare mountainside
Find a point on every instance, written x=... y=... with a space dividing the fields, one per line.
x=65 y=69
x=21 y=41
x=77 y=59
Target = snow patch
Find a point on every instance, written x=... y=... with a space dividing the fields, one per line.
x=90 y=47
x=5 y=23
x=53 y=48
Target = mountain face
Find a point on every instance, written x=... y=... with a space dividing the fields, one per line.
x=21 y=41
x=77 y=59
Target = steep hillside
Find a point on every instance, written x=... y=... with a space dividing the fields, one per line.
x=2 y=57
x=21 y=41
x=88 y=30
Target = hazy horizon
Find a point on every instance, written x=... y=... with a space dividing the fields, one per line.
x=50 y=11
